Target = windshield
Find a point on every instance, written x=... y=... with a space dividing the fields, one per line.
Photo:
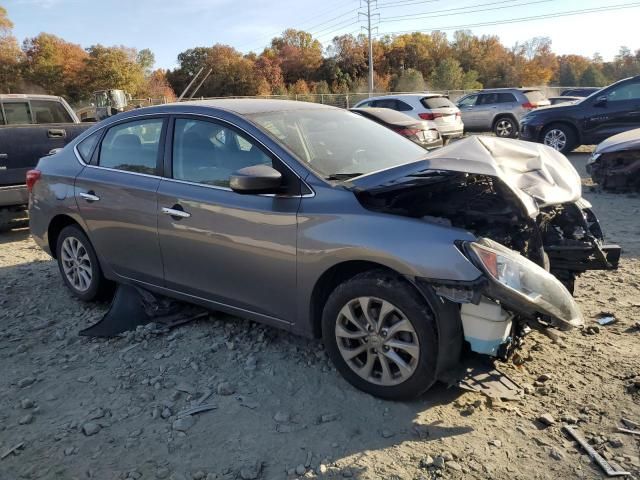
x=338 y=143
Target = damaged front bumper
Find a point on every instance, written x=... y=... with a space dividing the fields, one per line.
x=512 y=294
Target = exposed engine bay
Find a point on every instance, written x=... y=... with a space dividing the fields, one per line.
x=615 y=163
x=565 y=239
x=522 y=196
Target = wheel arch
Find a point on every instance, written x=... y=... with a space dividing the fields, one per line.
x=56 y=225
x=500 y=116
x=447 y=313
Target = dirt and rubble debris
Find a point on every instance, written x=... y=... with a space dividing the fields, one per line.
x=133 y=396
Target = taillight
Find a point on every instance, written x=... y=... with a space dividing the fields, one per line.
x=529 y=106
x=427 y=116
x=407 y=132
x=458 y=115
x=32 y=177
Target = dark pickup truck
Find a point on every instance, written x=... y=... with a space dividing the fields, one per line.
x=30 y=127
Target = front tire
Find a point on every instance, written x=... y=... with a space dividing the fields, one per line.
x=79 y=265
x=560 y=137
x=505 y=127
x=381 y=335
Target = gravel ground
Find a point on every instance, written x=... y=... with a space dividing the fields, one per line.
x=72 y=407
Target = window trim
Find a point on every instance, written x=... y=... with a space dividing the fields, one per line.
x=168 y=117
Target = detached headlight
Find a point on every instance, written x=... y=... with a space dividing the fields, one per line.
x=524 y=286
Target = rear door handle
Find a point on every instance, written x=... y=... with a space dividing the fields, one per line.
x=176 y=213
x=89 y=196
x=56 y=133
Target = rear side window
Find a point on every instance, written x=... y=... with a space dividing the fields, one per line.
x=386 y=103
x=17 y=113
x=437 y=102
x=506 y=98
x=132 y=146
x=535 y=96
x=86 y=146
x=45 y=111
x=403 y=107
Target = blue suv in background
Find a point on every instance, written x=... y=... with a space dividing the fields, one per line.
x=612 y=110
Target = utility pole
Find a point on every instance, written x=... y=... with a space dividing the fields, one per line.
x=369 y=30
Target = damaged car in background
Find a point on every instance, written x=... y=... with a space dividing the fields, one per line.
x=322 y=222
x=615 y=163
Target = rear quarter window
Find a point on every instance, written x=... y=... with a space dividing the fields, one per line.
x=437 y=102
x=88 y=145
x=48 y=111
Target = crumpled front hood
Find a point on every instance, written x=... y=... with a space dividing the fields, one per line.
x=537 y=174
x=623 y=141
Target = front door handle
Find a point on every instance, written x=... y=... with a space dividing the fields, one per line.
x=56 y=133
x=176 y=212
x=89 y=196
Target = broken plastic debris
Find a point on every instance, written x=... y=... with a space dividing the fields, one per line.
x=606 y=320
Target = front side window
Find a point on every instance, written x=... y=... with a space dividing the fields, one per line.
x=209 y=153
x=630 y=91
x=132 y=146
x=17 y=113
x=366 y=104
x=45 y=111
x=337 y=142
x=469 y=101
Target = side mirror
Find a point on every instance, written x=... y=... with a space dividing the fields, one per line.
x=256 y=179
x=600 y=101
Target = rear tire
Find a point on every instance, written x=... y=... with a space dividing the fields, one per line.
x=79 y=266
x=505 y=127
x=397 y=337
x=560 y=137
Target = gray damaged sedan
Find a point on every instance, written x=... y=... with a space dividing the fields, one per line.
x=319 y=221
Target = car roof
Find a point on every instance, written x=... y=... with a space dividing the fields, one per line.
x=386 y=115
x=27 y=96
x=248 y=106
x=405 y=95
x=508 y=89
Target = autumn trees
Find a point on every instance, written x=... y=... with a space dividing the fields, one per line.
x=49 y=64
x=297 y=63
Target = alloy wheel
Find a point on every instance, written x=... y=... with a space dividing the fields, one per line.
x=76 y=264
x=377 y=341
x=504 y=128
x=556 y=139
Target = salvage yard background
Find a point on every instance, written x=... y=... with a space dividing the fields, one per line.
x=72 y=407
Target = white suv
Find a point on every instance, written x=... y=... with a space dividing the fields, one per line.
x=424 y=106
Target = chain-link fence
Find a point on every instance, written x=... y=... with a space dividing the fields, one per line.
x=347 y=100
x=343 y=100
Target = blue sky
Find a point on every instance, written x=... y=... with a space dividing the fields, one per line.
x=169 y=27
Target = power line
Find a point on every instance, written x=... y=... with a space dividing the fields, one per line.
x=404 y=3
x=303 y=23
x=399 y=18
x=522 y=19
